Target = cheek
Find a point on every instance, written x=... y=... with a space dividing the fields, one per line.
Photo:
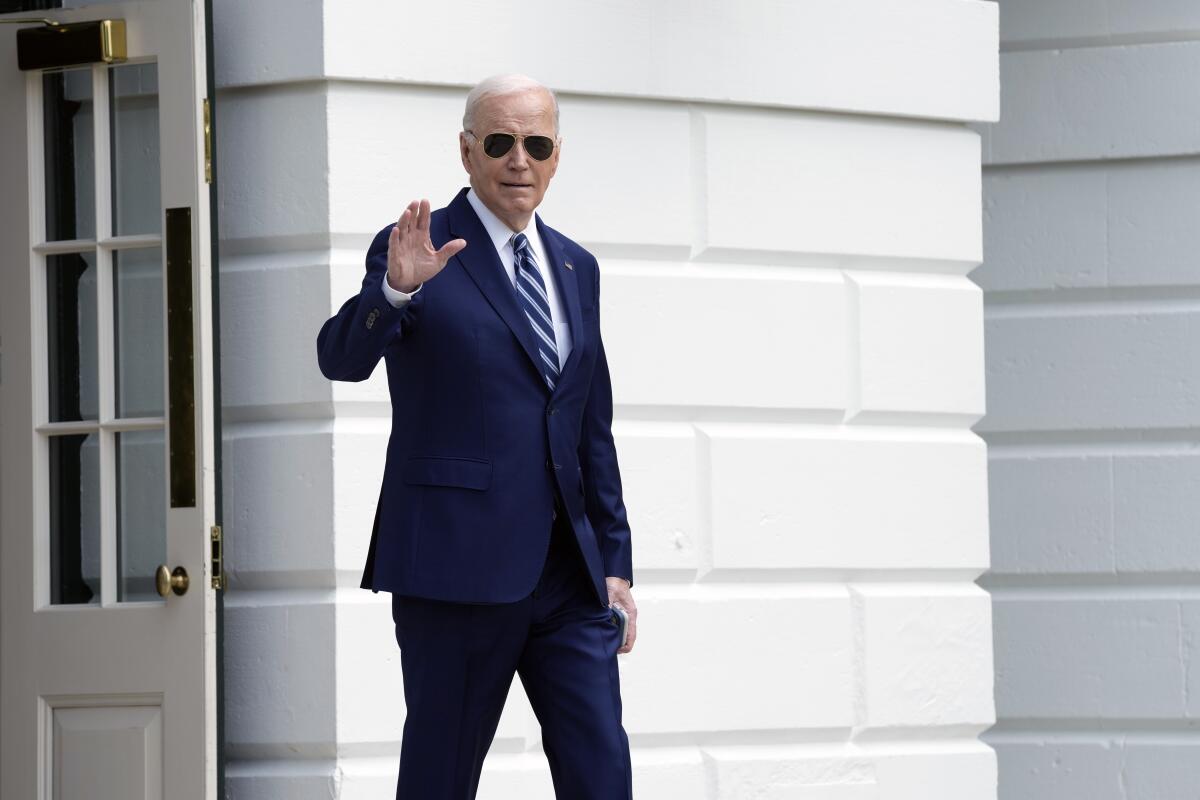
x=490 y=171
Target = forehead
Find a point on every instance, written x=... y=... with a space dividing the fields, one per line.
x=530 y=111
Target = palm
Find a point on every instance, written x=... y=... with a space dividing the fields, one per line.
x=412 y=259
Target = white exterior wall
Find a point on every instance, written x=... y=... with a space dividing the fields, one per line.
x=785 y=203
x=1092 y=205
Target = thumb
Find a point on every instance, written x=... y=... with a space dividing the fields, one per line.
x=450 y=248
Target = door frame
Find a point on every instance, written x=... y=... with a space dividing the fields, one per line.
x=20 y=365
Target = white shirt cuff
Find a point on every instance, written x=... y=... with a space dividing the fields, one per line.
x=396 y=297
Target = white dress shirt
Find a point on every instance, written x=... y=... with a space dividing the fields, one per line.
x=501 y=236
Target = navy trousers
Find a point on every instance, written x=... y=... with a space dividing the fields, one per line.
x=458 y=661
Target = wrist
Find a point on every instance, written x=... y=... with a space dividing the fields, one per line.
x=398 y=288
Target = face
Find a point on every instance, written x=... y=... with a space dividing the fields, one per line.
x=512 y=185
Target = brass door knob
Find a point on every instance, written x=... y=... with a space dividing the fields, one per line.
x=176 y=581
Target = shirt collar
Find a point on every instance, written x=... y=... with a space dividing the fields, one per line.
x=497 y=230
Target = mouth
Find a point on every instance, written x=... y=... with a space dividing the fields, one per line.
x=507 y=185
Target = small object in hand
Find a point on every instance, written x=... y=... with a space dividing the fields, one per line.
x=620 y=617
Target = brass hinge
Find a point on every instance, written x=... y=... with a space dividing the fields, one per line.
x=207 y=143
x=218 y=574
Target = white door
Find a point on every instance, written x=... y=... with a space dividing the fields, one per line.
x=108 y=689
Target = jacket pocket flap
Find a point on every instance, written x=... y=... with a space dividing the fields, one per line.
x=468 y=473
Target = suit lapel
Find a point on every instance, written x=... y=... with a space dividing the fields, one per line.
x=568 y=289
x=481 y=261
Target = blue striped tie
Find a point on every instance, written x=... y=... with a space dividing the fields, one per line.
x=532 y=293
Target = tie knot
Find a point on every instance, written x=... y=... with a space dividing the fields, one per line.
x=519 y=243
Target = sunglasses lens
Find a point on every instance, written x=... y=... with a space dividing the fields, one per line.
x=539 y=147
x=497 y=144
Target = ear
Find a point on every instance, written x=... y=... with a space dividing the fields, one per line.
x=554 y=158
x=464 y=150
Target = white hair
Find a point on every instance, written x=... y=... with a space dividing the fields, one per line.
x=497 y=85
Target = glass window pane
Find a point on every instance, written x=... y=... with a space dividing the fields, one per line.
x=70 y=169
x=75 y=519
x=141 y=512
x=71 y=336
x=138 y=322
x=133 y=93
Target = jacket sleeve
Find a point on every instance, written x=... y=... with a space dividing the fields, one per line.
x=605 y=505
x=351 y=342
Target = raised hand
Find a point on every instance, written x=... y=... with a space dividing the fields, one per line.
x=411 y=257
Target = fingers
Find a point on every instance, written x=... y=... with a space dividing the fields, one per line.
x=630 y=633
x=450 y=248
x=410 y=217
x=402 y=225
x=401 y=237
x=621 y=596
x=423 y=216
x=409 y=240
x=415 y=219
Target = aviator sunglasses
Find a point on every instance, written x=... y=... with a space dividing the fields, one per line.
x=496 y=145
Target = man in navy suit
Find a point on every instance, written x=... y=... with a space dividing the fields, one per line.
x=500 y=531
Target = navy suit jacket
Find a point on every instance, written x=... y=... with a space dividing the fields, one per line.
x=479 y=444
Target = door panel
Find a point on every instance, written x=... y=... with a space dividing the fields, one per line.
x=109 y=687
x=117 y=747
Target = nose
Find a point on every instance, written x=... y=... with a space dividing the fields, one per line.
x=518 y=159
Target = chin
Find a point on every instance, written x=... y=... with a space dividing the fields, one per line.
x=521 y=204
